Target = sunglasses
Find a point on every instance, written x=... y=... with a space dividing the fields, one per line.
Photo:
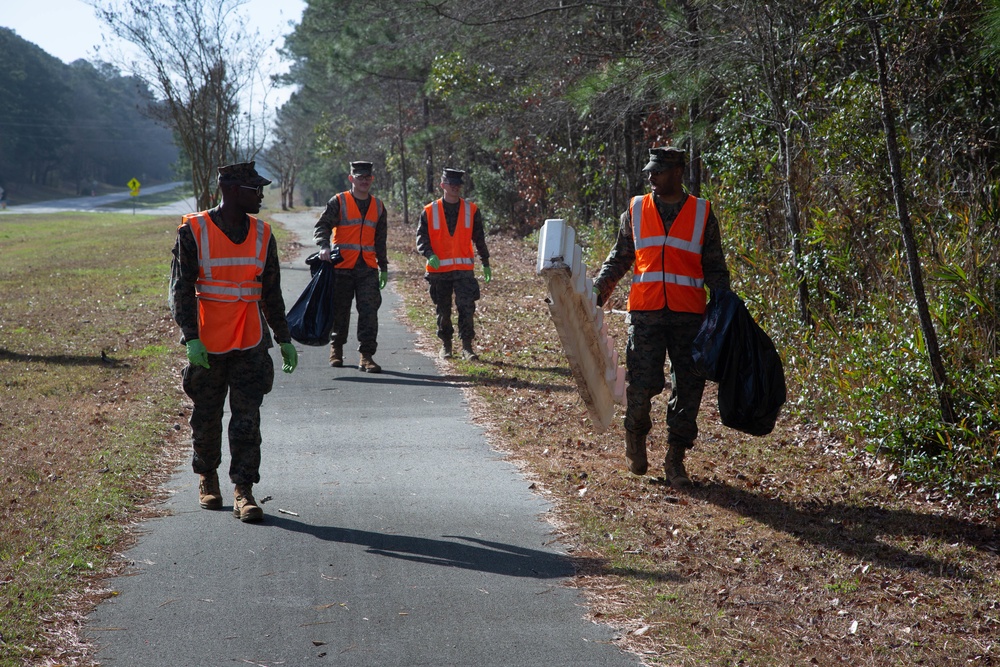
x=258 y=188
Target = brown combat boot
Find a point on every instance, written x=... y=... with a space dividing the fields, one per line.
x=467 y=351
x=635 y=453
x=368 y=365
x=244 y=506
x=673 y=467
x=446 y=352
x=209 y=495
x=336 y=355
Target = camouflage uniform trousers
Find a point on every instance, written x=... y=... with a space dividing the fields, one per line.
x=465 y=288
x=358 y=285
x=246 y=375
x=652 y=335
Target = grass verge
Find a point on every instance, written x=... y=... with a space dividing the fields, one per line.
x=86 y=415
x=91 y=414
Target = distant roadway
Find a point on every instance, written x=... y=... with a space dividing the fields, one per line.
x=96 y=203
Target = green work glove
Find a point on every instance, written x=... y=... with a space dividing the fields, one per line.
x=196 y=353
x=290 y=357
x=487 y=274
x=383 y=278
x=433 y=261
x=597 y=293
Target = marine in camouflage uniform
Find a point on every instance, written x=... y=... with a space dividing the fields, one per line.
x=246 y=375
x=460 y=284
x=654 y=335
x=361 y=284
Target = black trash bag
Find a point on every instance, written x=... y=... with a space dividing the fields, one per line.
x=311 y=318
x=732 y=350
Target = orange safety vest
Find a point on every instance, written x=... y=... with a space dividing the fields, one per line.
x=682 y=289
x=228 y=286
x=355 y=236
x=454 y=251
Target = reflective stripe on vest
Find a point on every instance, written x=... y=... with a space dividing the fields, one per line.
x=228 y=286
x=220 y=290
x=354 y=236
x=682 y=287
x=454 y=250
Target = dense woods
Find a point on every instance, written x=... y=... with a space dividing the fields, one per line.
x=850 y=149
x=69 y=126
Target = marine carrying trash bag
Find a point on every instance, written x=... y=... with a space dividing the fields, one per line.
x=732 y=350
x=311 y=318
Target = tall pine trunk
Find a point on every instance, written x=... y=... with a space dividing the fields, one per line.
x=912 y=257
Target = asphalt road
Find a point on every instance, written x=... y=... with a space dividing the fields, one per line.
x=394 y=536
x=95 y=204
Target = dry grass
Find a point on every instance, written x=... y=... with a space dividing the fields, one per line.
x=789 y=550
x=86 y=414
x=91 y=415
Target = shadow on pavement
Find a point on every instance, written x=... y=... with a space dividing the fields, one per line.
x=399 y=378
x=465 y=552
x=490 y=557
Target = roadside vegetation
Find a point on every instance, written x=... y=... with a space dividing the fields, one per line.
x=800 y=547
x=75 y=127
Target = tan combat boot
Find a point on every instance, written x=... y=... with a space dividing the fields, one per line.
x=673 y=467
x=368 y=365
x=446 y=352
x=244 y=506
x=635 y=453
x=209 y=495
x=467 y=351
x=336 y=355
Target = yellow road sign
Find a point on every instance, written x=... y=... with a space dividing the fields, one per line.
x=133 y=185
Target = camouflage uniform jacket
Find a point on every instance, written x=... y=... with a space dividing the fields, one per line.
x=451 y=218
x=331 y=218
x=622 y=257
x=184 y=273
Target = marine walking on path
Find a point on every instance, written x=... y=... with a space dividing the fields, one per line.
x=450 y=231
x=351 y=233
x=671 y=242
x=225 y=291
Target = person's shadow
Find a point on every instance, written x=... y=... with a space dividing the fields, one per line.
x=855 y=530
x=464 y=552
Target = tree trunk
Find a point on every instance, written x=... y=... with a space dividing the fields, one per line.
x=694 y=151
x=402 y=156
x=428 y=149
x=694 y=106
x=912 y=257
x=634 y=186
x=792 y=223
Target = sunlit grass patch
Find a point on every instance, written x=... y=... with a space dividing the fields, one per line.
x=88 y=396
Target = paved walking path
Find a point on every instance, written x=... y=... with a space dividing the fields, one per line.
x=404 y=539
